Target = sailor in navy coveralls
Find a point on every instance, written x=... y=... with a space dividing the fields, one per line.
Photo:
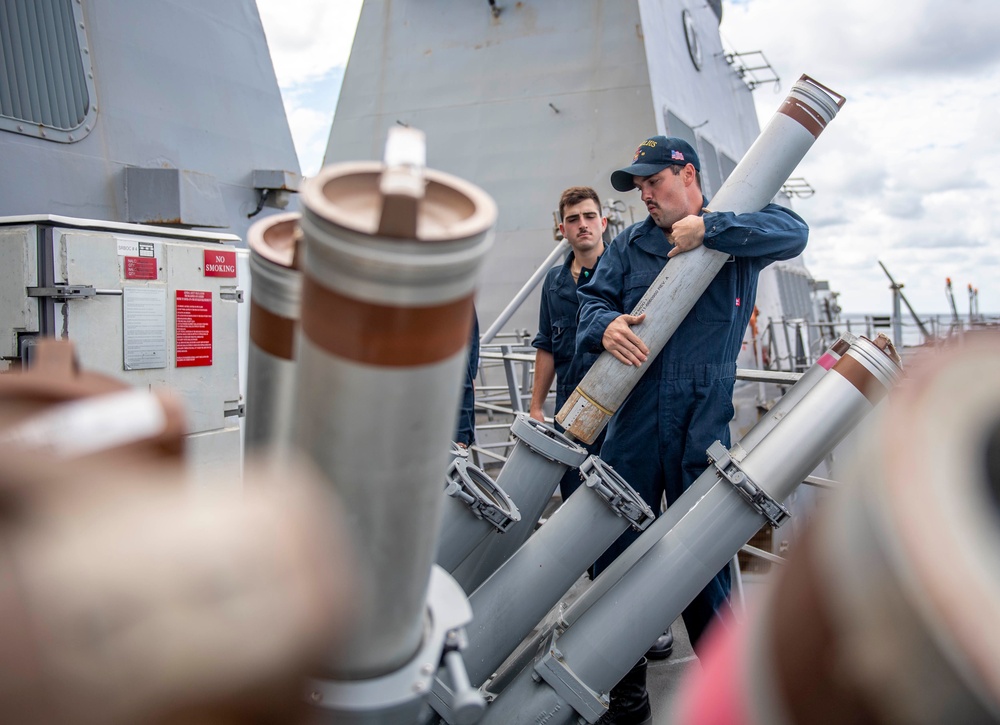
x=658 y=438
x=582 y=224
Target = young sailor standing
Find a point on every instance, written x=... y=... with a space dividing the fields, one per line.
x=583 y=225
x=683 y=403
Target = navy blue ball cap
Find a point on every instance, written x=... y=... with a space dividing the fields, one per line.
x=653 y=156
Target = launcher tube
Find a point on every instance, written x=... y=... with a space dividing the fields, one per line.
x=752 y=184
x=390 y=261
x=868 y=586
x=275 y=295
x=530 y=583
x=529 y=476
x=602 y=645
x=706 y=481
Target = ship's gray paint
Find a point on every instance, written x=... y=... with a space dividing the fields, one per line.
x=714 y=101
x=548 y=95
x=182 y=85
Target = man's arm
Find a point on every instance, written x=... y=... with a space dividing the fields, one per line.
x=774 y=233
x=602 y=326
x=545 y=373
x=545 y=364
x=601 y=300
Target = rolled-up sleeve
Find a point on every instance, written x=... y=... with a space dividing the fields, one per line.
x=601 y=300
x=543 y=338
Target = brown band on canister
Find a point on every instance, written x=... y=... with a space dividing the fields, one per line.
x=375 y=334
x=861 y=378
x=807 y=665
x=272 y=333
x=840 y=347
x=807 y=117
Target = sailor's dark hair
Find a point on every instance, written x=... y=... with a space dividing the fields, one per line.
x=576 y=194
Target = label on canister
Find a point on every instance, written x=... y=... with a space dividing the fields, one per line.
x=574 y=413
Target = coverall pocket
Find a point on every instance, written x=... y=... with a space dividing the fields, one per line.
x=719 y=303
x=636 y=285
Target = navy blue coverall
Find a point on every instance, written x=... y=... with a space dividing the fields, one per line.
x=557 y=319
x=684 y=401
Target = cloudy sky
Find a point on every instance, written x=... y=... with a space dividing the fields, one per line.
x=908 y=173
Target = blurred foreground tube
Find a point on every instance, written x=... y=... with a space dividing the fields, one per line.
x=886 y=613
x=751 y=186
x=56 y=410
x=275 y=295
x=126 y=599
x=390 y=258
x=132 y=593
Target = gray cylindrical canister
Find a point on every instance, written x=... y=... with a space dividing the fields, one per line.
x=275 y=295
x=390 y=259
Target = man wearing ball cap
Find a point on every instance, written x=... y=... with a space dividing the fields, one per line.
x=683 y=402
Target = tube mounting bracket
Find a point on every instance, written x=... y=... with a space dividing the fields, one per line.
x=758 y=498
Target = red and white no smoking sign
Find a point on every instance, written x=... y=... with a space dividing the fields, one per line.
x=220 y=263
x=193 y=328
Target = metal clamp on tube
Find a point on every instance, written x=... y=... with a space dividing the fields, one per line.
x=554 y=670
x=546 y=441
x=603 y=480
x=532 y=471
x=475 y=508
x=485 y=499
x=398 y=697
x=458 y=703
x=772 y=510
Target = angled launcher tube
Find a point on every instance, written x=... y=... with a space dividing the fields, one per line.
x=530 y=475
x=275 y=295
x=753 y=183
x=607 y=639
x=709 y=479
x=390 y=258
x=794 y=394
x=474 y=508
x=675 y=513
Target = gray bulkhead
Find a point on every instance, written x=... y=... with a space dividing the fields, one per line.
x=184 y=96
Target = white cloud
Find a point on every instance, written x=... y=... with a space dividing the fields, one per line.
x=310 y=131
x=310 y=41
x=308 y=38
x=909 y=172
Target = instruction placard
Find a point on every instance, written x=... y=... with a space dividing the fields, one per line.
x=145 y=328
x=194 y=328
